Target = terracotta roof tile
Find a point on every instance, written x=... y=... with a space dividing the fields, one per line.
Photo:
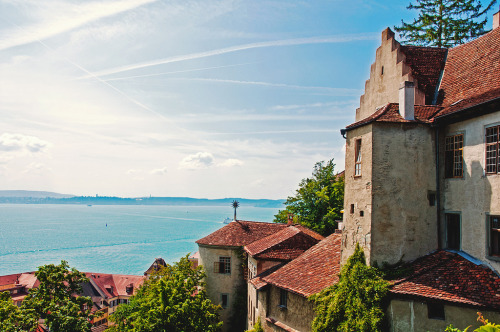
x=240 y=233
x=287 y=244
x=426 y=65
x=466 y=103
x=448 y=276
x=118 y=282
x=471 y=69
x=314 y=270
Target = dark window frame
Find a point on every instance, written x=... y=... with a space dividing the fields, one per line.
x=448 y=221
x=494 y=235
x=223 y=266
x=283 y=298
x=454 y=156
x=491 y=157
x=224 y=303
x=357 y=157
x=435 y=311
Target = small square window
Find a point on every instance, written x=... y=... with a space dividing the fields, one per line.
x=223 y=266
x=361 y=213
x=431 y=197
x=435 y=311
x=224 y=300
x=352 y=208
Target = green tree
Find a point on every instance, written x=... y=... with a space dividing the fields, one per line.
x=56 y=299
x=354 y=303
x=444 y=23
x=173 y=299
x=486 y=327
x=318 y=202
x=257 y=326
x=13 y=318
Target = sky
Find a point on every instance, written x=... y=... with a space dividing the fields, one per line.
x=198 y=98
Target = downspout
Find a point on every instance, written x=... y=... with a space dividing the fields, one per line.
x=438 y=189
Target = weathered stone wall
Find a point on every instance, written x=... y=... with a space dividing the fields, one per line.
x=298 y=315
x=383 y=85
x=404 y=224
x=475 y=195
x=412 y=316
x=217 y=283
x=358 y=191
x=253 y=307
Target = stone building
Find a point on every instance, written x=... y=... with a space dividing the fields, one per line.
x=422 y=181
x=221 y=254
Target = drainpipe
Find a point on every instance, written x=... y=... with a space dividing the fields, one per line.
x=438 y=191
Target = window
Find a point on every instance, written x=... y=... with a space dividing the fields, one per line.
x=435 y=311
x=357 y=154
x=492 y=159
x=453 y=231
x=352 y=208
x=283 y=298
x=224 y=300
x=223 y=266
x=453 y=159
x=494 y=226
x=431 y=196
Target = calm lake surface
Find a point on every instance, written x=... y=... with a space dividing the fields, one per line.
x=122 y=239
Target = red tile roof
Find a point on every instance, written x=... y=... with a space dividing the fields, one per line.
x=426 y=65
x=472 y=69
x=390 y=113
x=314 y=270
x=240 y=233
x=448 y=276
x=156 y=266
x=118 y=283
x=286 y=244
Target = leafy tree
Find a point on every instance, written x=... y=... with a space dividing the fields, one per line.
x=354 y=303
x=487 y=326
x=445 y=23
x=257 y=326
x=318 y=201
x=13 y=318
x=173 y=299
x=56 y=300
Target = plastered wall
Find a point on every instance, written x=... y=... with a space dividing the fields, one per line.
x=476 y=194
x=412 y=316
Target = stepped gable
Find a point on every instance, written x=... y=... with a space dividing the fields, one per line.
x=426 y=65
x=472 y=69
x=286 y=244
x=390 y=113
x=112 y=285
x=311 y=272
x=240 y=233
x=447 y=276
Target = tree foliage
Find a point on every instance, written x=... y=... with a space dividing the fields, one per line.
x=173 y=299
x=56 y=299
x=257 y=326
x=13 y=318
x=445 y=23
x=486 y=327
x=318 y=201
x=355 y=302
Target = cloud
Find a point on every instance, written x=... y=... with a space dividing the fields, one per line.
x=159 y=171
x=19 y=142
x=231 y=49
x=36 y=168
x=67 y=17
x=231 y=163
x=199 y=160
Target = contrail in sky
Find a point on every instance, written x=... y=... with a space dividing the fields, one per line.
x=231 y=49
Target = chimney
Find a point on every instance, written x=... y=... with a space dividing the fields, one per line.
x=496 y=20
x=290 y=219
x=407 y=100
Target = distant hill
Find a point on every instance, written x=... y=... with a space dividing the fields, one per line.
x=43 y=197
x=34 y=194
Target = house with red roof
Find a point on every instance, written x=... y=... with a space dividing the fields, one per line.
x=269 y=254
x=222 y=256
x=422 y=179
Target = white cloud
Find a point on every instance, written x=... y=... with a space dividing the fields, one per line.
x=65 y=17
x=19 y=142
x=231 y=163
x=199 y=160
x=159 y=171
x=36 y=168
x=133 y=171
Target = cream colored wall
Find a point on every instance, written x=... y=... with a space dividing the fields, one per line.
x=358 y=191
x=253 y=308
x=298 y=314
x=411 y=316
x=217 y=283
x=476 y=194
x=404 y=224
x=381 y=89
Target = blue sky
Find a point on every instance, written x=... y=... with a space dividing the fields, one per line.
x=180 y=98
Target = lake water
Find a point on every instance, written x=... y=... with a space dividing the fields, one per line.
x=122 y=239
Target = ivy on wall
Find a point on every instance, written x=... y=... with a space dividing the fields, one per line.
x=355 y=302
